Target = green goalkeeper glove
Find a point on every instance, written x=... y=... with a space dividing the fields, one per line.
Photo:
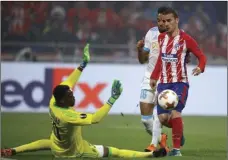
x=116 y=92
x=86 y=56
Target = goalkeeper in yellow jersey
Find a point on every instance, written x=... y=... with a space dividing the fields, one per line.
x=66 y=140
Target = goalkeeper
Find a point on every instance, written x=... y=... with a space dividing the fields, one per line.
x=66 y=138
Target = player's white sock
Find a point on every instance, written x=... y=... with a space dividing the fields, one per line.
x=148 y=123
x=156 y=130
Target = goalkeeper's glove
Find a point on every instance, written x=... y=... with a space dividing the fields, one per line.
x=115 y=92
x=86 y=56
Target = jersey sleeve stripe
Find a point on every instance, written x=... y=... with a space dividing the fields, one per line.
x=146 y=49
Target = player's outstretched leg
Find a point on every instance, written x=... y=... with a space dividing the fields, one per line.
x=168 y=124
x=122 y=153
x=150 y=120
x=176 y=120
x=43 y=144
x=158 y=136
x=8 y=152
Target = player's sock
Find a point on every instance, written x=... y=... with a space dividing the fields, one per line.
x=156 y=131
x=183 y=138
x=177 y=131
x=148 y=123
x=122 y=153
x=42 y=144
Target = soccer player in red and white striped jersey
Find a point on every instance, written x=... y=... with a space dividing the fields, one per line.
x=171 y=68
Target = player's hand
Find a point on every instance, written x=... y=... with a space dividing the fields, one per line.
x=196 y=71
x=153 y=84
x=140 y=44
x=86 y=56
x=115 y=92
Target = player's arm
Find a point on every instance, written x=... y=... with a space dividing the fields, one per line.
x=193 y=47
x=142 y=54
x=75 y=75
x=73 y=78
x=87 y=119
x=155 y=75
x=143 y=48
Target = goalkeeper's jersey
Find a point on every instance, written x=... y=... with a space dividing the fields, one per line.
x=66 y=136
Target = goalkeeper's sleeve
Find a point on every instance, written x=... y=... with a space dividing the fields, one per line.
x=78 y=118
x=73 y=78
x=101 y=113
x=75 y=75
x=70 y=81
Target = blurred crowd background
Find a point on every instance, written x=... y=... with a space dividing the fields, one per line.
x=57 y=31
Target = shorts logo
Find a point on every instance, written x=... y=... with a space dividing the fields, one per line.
x=143 y=94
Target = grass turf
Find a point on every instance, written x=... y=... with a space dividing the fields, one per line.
x=206 y=137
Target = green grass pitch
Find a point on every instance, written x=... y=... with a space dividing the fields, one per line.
x=206 y=137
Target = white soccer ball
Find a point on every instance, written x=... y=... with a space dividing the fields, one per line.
x=168 y=99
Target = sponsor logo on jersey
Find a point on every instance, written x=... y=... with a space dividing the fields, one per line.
x=169 y=57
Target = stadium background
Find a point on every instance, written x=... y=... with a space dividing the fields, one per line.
x=42 y=42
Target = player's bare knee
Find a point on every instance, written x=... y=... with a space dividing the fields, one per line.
x=163 y=118
x=175 y=114
x=162 y=121
x=148 y=123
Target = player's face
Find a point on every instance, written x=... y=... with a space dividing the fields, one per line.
x=161 y=24
x=170 y=22
x=69 y=98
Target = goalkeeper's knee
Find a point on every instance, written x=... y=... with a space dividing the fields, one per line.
x=148 y=123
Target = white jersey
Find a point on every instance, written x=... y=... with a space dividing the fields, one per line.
x=150 y=45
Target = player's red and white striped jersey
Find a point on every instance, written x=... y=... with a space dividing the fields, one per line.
x=171 y=64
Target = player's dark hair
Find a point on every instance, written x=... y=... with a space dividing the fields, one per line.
x=60 y=91
x=167 y=10
x=162 y=9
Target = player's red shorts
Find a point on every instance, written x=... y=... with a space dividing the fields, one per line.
x=181 y=90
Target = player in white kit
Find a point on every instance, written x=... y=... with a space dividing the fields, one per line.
x=148 y=51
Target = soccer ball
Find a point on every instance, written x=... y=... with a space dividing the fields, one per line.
x=168 y=99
